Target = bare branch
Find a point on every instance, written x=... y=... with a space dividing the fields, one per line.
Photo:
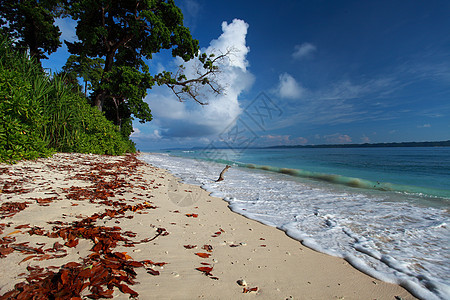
x=207 y=68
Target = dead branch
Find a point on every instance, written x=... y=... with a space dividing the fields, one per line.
x=206 y=71
x=223 y=172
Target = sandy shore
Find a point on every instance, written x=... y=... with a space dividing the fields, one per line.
x=113 y=227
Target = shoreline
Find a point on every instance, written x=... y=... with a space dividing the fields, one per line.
x=163 y=224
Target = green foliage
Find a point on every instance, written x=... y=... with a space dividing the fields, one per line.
x=31 y=25
x=90 y=70
x=114 y=39
x=21 y=116
x=124 y=33
x=99 y=135
x=40 y=115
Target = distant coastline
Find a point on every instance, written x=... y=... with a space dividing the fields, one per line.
x=367 y=145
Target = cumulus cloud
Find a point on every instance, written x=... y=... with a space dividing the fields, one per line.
x=303 y=51
x=138 y=134
x=288 y=87
x=365 y=139
x=67 y=27
x=189 y=119
x=337 y=138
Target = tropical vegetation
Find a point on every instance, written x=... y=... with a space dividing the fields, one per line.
x=42 y=113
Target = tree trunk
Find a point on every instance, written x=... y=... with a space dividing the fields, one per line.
x=100 y=99
x=103 y=93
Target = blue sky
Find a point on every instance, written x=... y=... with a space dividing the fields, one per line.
x=308 y=72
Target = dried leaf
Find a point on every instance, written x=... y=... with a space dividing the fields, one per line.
x=203 y=255
x=14 y=232
x=152 y=272
x=27 y=258
x=64 y=276
x=125 y=289
x=5 y=251
x=190 y=246
x=206 y=270
x=22 y=226
x=72 y=243
x=72 y=265
x=250 y=290
x=208 y=248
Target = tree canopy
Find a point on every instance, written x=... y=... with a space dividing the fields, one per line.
x=31 y=24
x=115 y=40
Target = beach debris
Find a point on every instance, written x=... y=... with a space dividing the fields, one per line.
x=9 y=209
x=192 y=215
x=241 y=282
x=205 y=270
x=208 y=248
x=44 y=202
x=203 y=255
x=152 y=272
x=216 y=234
x=14 y=232
x=250 y=290
x=190 y=246
x=222 y=173
x=103 y=269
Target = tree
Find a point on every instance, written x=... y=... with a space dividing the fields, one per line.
x=125 y=34
x=31 y=24
x=90 y=70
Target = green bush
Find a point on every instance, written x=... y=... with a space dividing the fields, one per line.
x=40 y=115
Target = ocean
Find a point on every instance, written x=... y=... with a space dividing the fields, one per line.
x=384 y=210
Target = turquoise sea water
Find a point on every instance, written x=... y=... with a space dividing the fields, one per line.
x=411 y=170
x=384 y=210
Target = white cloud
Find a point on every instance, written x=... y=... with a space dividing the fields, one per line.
x=365 y=139
x=156 y=134
x=67 y=27
x=303 y=51
x=141 y=135
x=136 y=132
x=189 y=119
x=424 y=126
x=337 y=138
x=289 y=88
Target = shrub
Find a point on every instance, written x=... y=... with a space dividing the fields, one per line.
x=40 y=115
